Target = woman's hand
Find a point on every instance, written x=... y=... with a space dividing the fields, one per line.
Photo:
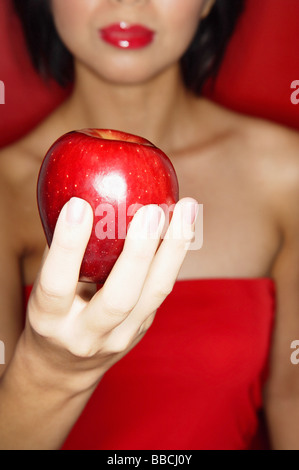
x=79 y=340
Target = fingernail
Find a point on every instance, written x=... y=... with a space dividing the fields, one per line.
x=190 y=211
x=152 y=218
x=75 y=211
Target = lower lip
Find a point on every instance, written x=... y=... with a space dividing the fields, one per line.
x=131 y=38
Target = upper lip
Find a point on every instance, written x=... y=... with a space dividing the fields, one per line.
x=124 y=28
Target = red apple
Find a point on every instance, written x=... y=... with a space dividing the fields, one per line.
x=116 y=173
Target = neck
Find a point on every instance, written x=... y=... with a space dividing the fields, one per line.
x=154 y=110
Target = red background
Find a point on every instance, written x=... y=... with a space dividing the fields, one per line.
x=256 y=76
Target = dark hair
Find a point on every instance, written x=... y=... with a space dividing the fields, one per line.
x=201 y=61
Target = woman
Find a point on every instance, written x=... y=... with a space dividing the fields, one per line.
x=197 y=377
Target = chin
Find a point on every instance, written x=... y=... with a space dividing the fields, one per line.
x=126 y=76
x=125 y=68
x=128 y=80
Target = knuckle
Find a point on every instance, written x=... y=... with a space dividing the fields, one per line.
x=163 y=290
x=116 y=308
x=178 y=237
x=140 y=251
x=146 y=324
x=159 y=294
x=82 y=350
x=66 y=243
x=40 y=325
x=189 y=238
x=45 y=289
x=37 y=325
x=47 y=293
x=144 y=253
x=119 y=346
x=181 y=243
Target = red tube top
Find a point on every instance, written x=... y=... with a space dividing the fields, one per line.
x=195 y=380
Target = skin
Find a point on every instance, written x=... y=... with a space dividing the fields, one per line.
x=245 y=172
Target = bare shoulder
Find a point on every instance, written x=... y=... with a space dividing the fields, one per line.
x=269 y=154
x=265 y=157
x=21 y=160
x=19 y=168
x=264 y=140
x=273 y=145
x=17 y=163
x=272 y=153
x=267 y=151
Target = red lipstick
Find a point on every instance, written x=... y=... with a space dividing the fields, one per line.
x=126 y=36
